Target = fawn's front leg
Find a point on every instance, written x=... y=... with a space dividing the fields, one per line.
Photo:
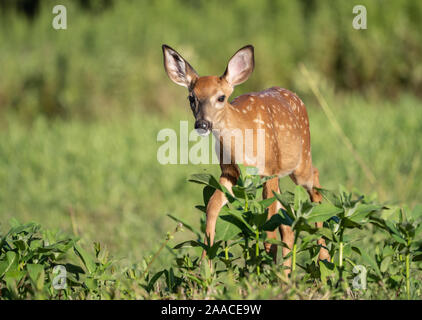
x=286 y=232
x=216 y=202
x=267 y=192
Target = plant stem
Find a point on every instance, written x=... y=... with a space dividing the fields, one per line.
x=408 y=275
x=294 y=249
x=294 y=257
x=246 y=251
x=340 y=255
x=340 y=264
x=226 y=251
x=168 y=238
x=409 y=241
x=258 y=271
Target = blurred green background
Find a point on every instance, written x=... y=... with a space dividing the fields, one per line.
x=80 y=108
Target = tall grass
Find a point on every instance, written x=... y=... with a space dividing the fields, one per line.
x=110 y=60
x=104 y=177
x=101 y=180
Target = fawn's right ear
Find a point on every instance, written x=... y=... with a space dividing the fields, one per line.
x=177 y=68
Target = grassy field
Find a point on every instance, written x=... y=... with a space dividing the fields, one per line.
x=80 y=110
x=106 y=176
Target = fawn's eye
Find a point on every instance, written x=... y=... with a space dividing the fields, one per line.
x=221 y=98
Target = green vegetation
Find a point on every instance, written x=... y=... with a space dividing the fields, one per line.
x=101 y=181
x=29 y=255
x=80 y=111
x=109 y=60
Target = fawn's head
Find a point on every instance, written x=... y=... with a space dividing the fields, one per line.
x=208 y=95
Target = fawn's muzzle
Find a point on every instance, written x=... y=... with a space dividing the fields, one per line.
x=203 y=127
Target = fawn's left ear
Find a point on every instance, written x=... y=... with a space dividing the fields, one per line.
x=177 y=68
x=240 y=66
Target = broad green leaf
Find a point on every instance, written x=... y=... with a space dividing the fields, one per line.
x=92 y=284
x=323 y=212
x=36 y=274
x=385 y=264
x=301 y=196
x=195 y=279
x=259 y=219
x=209 y=180
x=277 y=242
x=227 y=227
x=309 y=238
x=239 y=192
x=205 y=270
x=207 y=193
x=154 y=280
x=212 y=251
x=351 y=224
x=301 y=224
x=392 y=227
x=9 y=264
x=399 y=239
x=204 y=178
x=327 y=269
x=285 y=198
x=267 y=202
x=238 y=215
x=362 y=211
x=387 y=251
x=371 y=261
x=326 y=233
x=20 y=244
x=13 y=277
x=189 y=244
x=170 y=278
x=201 y=208
x=330 y=196
x=274 y=222
x=85 y=258
x=357 y=250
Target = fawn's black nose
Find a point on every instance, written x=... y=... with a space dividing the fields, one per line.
x=202 y=126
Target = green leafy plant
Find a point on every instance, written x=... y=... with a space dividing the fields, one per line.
x=29 y=256
x=239 y=252
x=237 y=265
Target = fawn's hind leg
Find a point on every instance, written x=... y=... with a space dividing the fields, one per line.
x=286 y=232
x=316 y=197
x=309 y=179
x=267 y=192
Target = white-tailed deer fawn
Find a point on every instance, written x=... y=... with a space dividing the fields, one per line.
x=276 y=110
